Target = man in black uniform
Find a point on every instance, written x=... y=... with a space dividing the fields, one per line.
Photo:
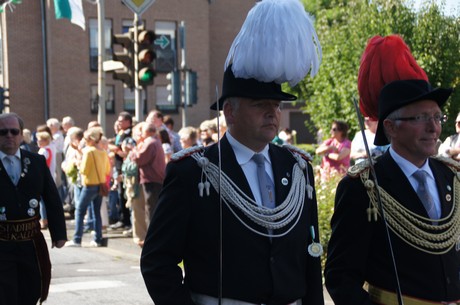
x=25 y=268
x=262 y=247
x=420 y=199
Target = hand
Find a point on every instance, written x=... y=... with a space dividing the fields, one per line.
x=58 y=243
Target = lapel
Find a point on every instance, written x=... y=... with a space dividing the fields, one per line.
x=398 y=186
x=444 y=182
x=229 y=165
x=282 y=171
x=3 y=171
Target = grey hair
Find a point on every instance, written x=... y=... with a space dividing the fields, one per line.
x=13 y=115
x=53 y=122
x=233 y=101
x=393 y=116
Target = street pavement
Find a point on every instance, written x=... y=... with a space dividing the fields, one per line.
x=105 y=275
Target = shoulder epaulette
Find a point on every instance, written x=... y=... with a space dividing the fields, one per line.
x=184 y=153
x=355 y=170
x=302 y=153
x=449 y=162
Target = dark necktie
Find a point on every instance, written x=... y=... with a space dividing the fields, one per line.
x=266 y=186
x=424 y=195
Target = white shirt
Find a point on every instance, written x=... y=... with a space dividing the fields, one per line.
x=244 y=158
x=16 y=162
x=409 y=169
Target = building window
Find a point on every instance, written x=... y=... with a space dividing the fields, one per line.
x=162 y=100
x=126 y=25
x=94 y=42
x=109 y=102
x=130 y=103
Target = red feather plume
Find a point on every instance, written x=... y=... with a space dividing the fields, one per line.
x=384 y=60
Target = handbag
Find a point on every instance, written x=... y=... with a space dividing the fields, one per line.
x=103 y=187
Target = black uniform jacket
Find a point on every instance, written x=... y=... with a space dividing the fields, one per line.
x=20 y=202
x=186 y=227
x=358 y=250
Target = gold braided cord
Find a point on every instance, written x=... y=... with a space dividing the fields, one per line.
x=416 y=230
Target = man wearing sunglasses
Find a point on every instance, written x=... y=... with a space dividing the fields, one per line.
x=25 y=268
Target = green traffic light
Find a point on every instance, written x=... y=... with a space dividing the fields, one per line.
x=146 y=75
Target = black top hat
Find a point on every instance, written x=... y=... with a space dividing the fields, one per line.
x=401 y=93
x=250 y=88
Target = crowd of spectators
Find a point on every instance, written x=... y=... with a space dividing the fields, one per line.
x=131 y=160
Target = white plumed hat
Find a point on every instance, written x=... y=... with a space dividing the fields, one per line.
x=276 y=44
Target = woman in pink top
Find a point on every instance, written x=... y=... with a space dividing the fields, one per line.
x=335 y=151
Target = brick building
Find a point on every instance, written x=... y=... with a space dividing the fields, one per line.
x=50 y=65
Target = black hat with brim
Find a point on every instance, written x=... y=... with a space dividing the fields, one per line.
x=401 y=93
x=249 y=88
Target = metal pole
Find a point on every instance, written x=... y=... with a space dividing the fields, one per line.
x=183 y=69
x=45 y=62
x=137 y=90
x=101 y=90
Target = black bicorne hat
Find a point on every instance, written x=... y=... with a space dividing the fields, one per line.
x=250 y=88
x=401 y=93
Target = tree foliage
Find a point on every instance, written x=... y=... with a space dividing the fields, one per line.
x=344 y=28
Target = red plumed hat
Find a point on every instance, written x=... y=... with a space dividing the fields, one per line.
x=384 y=60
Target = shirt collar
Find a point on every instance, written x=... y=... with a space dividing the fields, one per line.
x=17 y=154
x=243 y=153
x=407 y=167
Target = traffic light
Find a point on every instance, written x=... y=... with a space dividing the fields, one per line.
x=174 y=87
x=190 y=88
x=146 y=57
x=126 y=74
x=2 y=98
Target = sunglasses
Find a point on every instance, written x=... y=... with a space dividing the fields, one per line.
x=13 y=131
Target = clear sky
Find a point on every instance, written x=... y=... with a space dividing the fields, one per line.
x=452 y=6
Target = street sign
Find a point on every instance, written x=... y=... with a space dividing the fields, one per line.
x=138 y=6
x=163 y=41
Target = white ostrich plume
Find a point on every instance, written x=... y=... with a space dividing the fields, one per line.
x=277 y=43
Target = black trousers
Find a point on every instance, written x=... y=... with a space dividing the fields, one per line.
x=20 y=281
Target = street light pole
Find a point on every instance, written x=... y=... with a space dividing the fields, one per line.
x=183 y=69
x=137 y=89
x=101 y=90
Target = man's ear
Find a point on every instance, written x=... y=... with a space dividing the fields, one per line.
x=390 y=128
x=229 y=113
